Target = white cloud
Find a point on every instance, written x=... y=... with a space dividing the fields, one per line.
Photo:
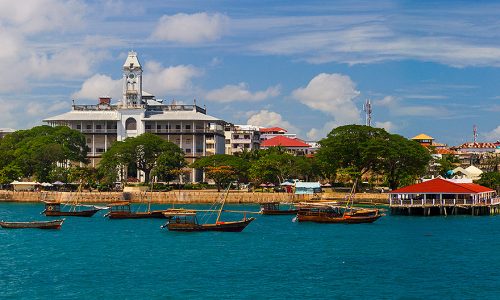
x=266 y=118
x=100 y=85
x=493 y=135
x=333 y=94
x=33 y=16
x=397 y=108
x=388 y=126
x=240 y=92
x=317 y=134
x=71 y=62
x=191 y=29
x=176 y=79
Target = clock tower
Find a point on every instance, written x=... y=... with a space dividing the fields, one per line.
x=132 y=82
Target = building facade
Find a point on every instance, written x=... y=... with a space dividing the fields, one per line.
x=241 y=138
x=188 y=126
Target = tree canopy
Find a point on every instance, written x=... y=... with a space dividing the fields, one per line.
x=146 y=152
x=362 y=149
x=223 y=168
x=38 y=151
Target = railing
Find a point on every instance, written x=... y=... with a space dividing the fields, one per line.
x=438 y=202
x=92 y=130
x=184 y=131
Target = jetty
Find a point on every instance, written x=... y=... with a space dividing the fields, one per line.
x=444 y=197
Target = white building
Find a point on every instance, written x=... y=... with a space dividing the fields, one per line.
x=187 y=126
x=241 y=138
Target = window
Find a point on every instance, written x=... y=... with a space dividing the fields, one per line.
x=177 y=126
x=131 y=124
x=79 y=127
x=247 y=136
x=236 y=136
x=188 y=150
x=228 y=141
x=158 y=127
x=89 y=126
x=148 y=126
x=188 y=126
x=99 y=150
x=98 y=126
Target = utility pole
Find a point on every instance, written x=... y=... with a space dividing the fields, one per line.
x=367 y=108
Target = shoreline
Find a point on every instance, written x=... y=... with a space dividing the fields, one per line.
x=184 y=197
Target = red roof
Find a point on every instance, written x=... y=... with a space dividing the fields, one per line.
x=442 y=186
x=478 y=145
x=272 y=129
x=284 y=142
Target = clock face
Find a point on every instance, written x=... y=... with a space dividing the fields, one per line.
x=131 y=76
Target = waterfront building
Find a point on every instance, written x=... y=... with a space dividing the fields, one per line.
x=239 y=138
x=443 y=197
x=271 y=132
x=293 y=146
x=186 y=125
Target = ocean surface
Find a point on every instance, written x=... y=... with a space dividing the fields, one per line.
x=397 y=257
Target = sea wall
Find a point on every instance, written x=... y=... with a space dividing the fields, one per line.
x=205 y=196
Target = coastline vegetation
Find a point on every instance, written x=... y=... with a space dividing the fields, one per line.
x=350 y=152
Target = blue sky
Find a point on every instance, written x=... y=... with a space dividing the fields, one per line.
x=307 y=66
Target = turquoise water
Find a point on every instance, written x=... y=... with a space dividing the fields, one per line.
x=273 y=258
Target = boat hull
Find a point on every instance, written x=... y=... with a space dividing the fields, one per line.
x=340 y=219
x=156 y=214
x=233 y=226
x=279 y=212
x=82 y=213
x=56 y=224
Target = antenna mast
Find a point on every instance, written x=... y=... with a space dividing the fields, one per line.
x=367 y=108
x=474 y=129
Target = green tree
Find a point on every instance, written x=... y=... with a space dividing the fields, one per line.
x=144 y=152
x=354 y=147
x=490 y=179
x=38 y=151
x=274 y=167
x=401 y=159
x=223 y=168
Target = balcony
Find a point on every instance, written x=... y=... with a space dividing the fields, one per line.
x=95 y=130
x=184 y=131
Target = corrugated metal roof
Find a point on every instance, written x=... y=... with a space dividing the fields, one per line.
x=77 y=115
x=284 y=142
x=179 y=115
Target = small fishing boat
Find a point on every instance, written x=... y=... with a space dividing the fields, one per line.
x=53 y=209
x=122 y=210
x=55 y=224
x=273 y=208
x=327 y=213
x=188 y=221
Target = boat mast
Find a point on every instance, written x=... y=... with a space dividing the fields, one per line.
x=223 y=202
x=351 y=195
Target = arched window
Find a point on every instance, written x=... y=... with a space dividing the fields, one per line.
x=131 y=124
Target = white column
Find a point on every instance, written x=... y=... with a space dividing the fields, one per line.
x=105 y=142
x=194 y=146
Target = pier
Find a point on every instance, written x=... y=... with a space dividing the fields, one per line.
x=442 y=197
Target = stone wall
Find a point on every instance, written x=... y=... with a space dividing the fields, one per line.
x=205 y=196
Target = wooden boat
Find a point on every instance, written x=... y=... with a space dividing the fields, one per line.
x=53 y=209
x=188 y=221
x=336 y=214
x=273 y=208
x=55 y=224
x=121 y=210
